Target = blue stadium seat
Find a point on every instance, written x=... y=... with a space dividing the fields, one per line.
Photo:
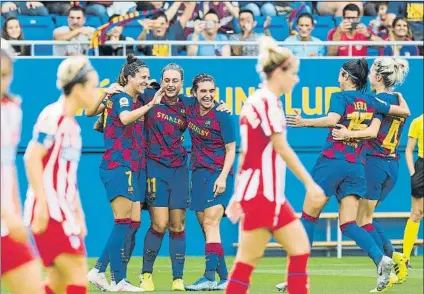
x=323 y=24
x=279 y=27
x=38 y=28
x=60 y=21
x=2 y=20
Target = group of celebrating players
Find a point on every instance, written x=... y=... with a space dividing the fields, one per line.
x=145 y=165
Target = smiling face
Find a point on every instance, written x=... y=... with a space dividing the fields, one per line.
x=161 y=26
x=139 y=81
x=13 y=29
x=172 y=82
x=401 y=28
x=205 y=94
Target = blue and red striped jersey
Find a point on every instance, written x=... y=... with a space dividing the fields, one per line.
x=123 y=143
x=209 y=135
x=357 y=110
x=388 y=138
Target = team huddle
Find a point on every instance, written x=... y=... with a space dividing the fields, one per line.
x=146 y=166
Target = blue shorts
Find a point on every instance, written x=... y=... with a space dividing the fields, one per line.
x=340 y=177
x=202 y=195
x=167 y=186
x=121 y=181
x=381 y=175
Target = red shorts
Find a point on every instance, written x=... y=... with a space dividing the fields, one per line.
x=14 y=254
x=264 y=216
x=54 y=242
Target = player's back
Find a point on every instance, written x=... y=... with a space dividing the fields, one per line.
x=388 y=138
x=60 y=135
x=11 y=118
x=262 y=174
x=357 y=111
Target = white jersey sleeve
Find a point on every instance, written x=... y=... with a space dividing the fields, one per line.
x=271 y=115
x=45 y=128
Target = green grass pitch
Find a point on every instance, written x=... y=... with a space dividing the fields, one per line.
x=328 y=275
x=349 y=275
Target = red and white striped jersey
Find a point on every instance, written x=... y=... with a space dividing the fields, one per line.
x=61 y=137
x=263 y=172
x=11 y=119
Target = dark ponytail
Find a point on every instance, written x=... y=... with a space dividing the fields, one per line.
x=357 y=71
x=130 y=68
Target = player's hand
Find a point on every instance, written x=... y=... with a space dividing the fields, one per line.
x=86 y=31
x=17 y=230
x=234 y=211
x=158 y=96
x=345 y=26
x=267 y=22
x=315 y=193
x=41 y=218
x=147 y=24
x=113 y=89
x=340 y=133
x=99 y=124
x=220 y=185
x=223 y=107
x=295 y=121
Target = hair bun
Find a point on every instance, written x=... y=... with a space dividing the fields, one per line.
x=131 y=58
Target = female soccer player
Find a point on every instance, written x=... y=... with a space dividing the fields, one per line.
x=17 y=258
x=354 y=109
x=417 y=185
x=53 y=205
x=381 y=167
x=212 y=156
x=259 y=199
x=122 y=172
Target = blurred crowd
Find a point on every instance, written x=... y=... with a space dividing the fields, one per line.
x=220 y=21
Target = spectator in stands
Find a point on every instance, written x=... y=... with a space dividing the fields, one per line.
x=383 y=22
x=32 y=8
x=247 y=23
x=75 y=31
x=414 y=13
x=197 y=14
x=115 y=34
x=12 y=31
x=207 y=30
x=350 y=29
x=400 y=32
x=159 y=29
x=259 y=8
x=58 y=7
x=226 y=12
x=337 y=8
x=305 y=24
x=98 y=8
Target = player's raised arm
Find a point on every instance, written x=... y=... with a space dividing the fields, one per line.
x=97 y=106
x=336 y=111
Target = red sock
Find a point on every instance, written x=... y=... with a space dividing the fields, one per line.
x=47 y=289
x=238 y=282
x=76 y=289
x=297 y=276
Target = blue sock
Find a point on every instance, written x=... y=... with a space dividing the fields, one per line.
x=177 y=250
x=309 y=222
x=103 y=260
x=212 y=253
x=387 y=244
x=373 y=233
x=129 y=244
x=222 y=266
x=152 y=244
x=120 y=233
x=363 y=240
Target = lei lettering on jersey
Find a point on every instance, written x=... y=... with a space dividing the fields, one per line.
x=198 y=130
x=170 y=118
